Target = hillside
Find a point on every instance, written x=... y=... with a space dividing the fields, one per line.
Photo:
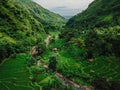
x=35 y=55
x=24 y=23
x=98 y=24
x=49 y=19
x=90 y=46
x=99 y=13
x=18 y=28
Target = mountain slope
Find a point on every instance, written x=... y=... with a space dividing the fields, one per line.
x=18 y=28
x=100 y=13
x=49 y=19
x=98 y=27
x=23 y=24
x=91 y=39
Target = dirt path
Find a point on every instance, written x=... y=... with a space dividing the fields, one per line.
x=67 y=81
x=47 y=40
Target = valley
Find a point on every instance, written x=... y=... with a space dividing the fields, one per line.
x=40 y=50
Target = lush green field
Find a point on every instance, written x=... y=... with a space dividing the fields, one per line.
x=82 y=70
x=14 y=75
x=86 y=50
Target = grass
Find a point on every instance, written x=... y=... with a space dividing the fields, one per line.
x=14 y=75
x=83 y=71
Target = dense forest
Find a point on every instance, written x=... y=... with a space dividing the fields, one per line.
x=92 y=38
x=41 y=50
x=23 y=23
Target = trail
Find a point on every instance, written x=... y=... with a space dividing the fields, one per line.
x=69 y=82
x=47 y=40
x=65 y=80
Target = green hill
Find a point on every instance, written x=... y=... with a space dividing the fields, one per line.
x=98 y=27
x=91 y=40
x=23 y=24
x=49 y=19
x=99 y=13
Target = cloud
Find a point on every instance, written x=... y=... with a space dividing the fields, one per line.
x=65 y=7
x=66 y=11
x=61 y=7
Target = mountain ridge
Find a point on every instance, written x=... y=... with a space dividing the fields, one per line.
x=46 y=17
x=99 y=13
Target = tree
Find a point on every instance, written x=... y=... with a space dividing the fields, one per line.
x=52 y=63
x=30 y=61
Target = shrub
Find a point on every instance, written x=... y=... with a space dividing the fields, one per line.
x=52 y=63
x=30 y=61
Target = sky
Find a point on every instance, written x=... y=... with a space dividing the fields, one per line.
x=65 y=7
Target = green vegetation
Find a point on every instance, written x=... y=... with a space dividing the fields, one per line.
x=86 y=51
x=14 y=75
x=73 y=63
x=100 y=13
x=23 y=24
x=18 y=76
x=49 y=20
x=18 y=29
x=91 y=46
x=52 y=63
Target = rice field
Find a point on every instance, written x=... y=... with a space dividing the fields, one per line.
x=14 y=75
x=84 y=72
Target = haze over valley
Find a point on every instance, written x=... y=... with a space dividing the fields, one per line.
x=66 y=8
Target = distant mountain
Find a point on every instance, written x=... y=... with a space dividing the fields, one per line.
x=67 y=17
x=100 y=13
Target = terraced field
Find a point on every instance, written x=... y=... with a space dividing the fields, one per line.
x=106 y=68
x=84 y=72
x=14 y=75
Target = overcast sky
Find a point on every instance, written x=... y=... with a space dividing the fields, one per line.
x=65 y=7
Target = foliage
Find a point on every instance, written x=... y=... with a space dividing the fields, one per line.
x=22 y=25
x=19 y=77
x=91 y=45
x=14 y=75
x=99 y=13
x=49 y=20
x=103 y=41
x=104 y=84
x=19 y=30
x=52 y=63
x=30 y=61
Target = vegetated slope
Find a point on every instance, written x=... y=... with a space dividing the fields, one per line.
x=99 y=13
x=22 y=24
x=18 y=28
x=97 y=27
x=92 y=39
x=14 y=75
x=49 y=19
